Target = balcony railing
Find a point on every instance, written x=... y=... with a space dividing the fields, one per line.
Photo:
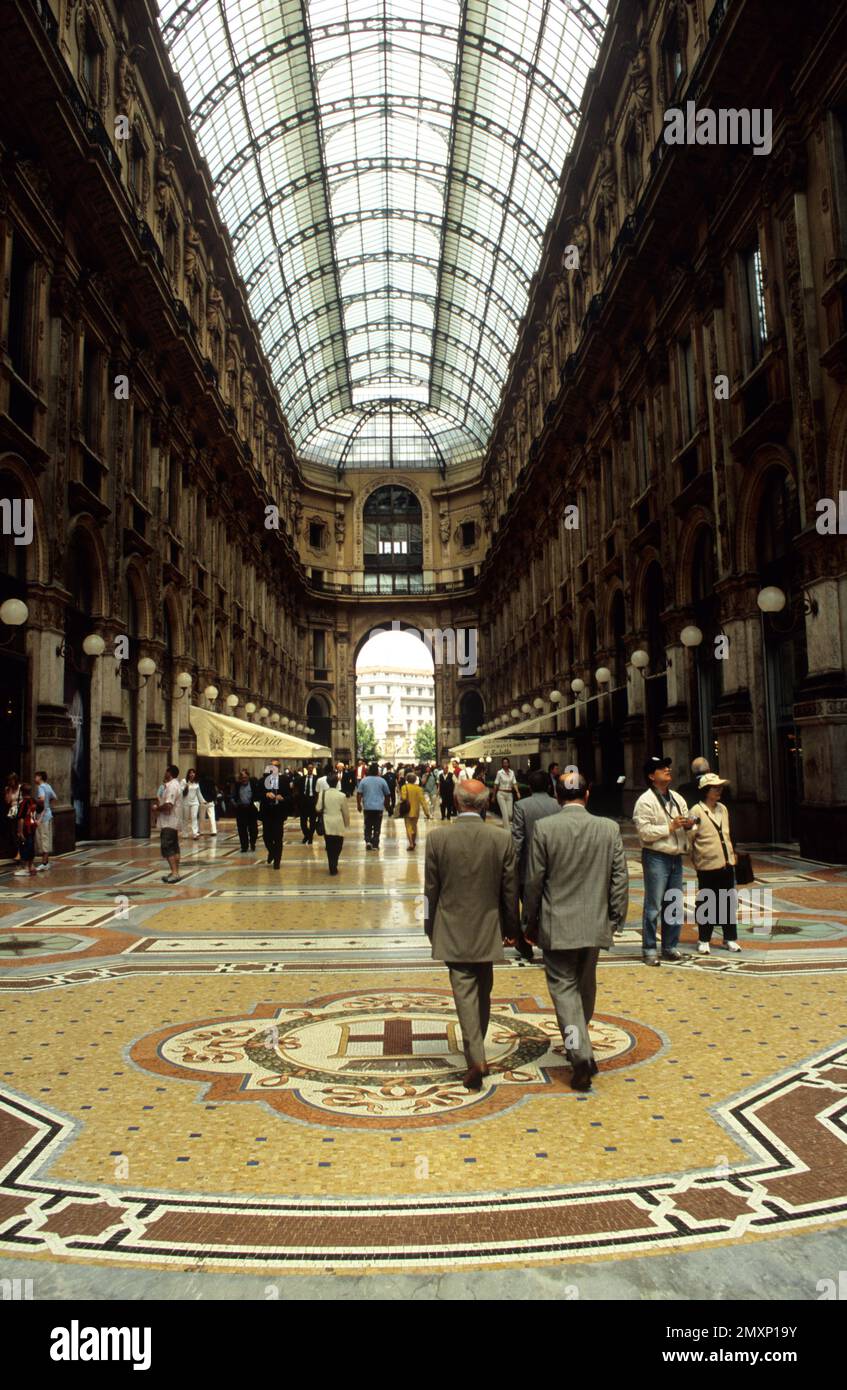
x=455 y=586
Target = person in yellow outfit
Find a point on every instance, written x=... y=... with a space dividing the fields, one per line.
x=416 y=798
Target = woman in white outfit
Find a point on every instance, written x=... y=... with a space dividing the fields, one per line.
x=192 y=801
x=506 y=788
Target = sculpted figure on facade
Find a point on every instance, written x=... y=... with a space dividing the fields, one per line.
x=607 y=184
x=165 y=199
x=214 y=310
x=487 y=509
x=533 y=423
x=126 y=91
x=544 y=366
x=444 y=524
x=520 y=432
x=340 y=526
x=189 y=253
x=642 y=82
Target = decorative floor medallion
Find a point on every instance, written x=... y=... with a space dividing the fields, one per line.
x=376 y=1059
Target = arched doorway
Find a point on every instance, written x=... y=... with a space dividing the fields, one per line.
x=393 y=541
x=80 y=569
x=395 y=698
x=471 y=714
x=319 y=718
x=656 y=695
x=784 y=638
x=13 y=584
x=707 y=670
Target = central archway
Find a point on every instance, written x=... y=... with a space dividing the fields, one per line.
x=395 y=697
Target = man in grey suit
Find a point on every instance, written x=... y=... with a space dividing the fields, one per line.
x=527 y=812
x=471 y=896
x=577 y=891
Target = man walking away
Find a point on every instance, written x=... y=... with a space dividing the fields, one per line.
x=576 y=895
x=45 y=796
x=471 y=896
x=242 y=800
x=169 y=806
x=374 y=797
x=308 y=802
x=661 y=819
x=527 y=812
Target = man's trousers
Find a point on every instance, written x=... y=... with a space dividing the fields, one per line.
x=572 y=982
x=471 y=984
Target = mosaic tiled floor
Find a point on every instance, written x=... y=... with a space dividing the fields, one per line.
x=262 y=1070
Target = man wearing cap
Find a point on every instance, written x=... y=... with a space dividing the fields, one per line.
x=662 y=821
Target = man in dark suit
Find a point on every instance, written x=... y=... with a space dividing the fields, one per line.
x=308 y=802
x=553 y=781
x=242 y=798
x=576 y=895
x=277 y=801
x=528 y=811
x=390 y=777
x=471 y=897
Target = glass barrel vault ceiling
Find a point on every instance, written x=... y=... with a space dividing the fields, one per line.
x=387 y=170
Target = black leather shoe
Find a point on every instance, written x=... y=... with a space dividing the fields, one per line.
x=650 y=959
x=673 y=955
x=581 y=1077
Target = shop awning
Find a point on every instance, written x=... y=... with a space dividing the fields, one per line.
x=222 y=736
x=522 y=738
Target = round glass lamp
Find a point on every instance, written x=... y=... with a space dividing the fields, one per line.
x=183 y=680
x=211 y=692
x=250 y=708
x=771 y=599
x=264 y=712
x=538 y=702
x=13 y=612
x=146 y=667
x=232 y=701
x=577 y=686
x=555 y=697
x=275 y=717
x=691 y=636
x=640 y=660
x=93 y=644
x=603 y=675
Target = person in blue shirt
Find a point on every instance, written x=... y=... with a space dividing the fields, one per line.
x=373 y=796
x=45 y=796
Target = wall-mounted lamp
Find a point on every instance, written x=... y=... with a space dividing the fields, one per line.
x=211 y=693
x=641 y=660
x=232 y=702
x=691 y=636
x=13 y=614
x=603 y=675
x=773 y=600
x=538 y=702
x=275 y=717
x=264 y=712
x=555 y=697
x=250 y=707
x=577 y=686
x=516 y=714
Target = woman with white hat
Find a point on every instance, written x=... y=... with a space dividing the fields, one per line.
x=713 y=857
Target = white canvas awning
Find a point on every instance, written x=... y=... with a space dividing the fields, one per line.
x=222 y=736
x=524 y=737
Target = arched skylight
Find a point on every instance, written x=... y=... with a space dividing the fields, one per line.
x=387 y=170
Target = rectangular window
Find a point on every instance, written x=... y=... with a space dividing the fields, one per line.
x=642 y=455
x=316 y=535
x=754 y=296
x=468 y=534
x=609 y=490
x=687 y=397
x=20 y=307
x=90 y=397
x=139 y=450
x=319 y=650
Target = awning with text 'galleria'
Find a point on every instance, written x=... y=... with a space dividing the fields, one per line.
x=524 y=737
x=221 y=736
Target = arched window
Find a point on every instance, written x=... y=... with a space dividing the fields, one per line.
x=471 y=714
x=393 y=550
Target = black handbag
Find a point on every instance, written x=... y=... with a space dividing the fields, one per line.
x=743 y=868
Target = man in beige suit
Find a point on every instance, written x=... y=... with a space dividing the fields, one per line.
x=471 y=890
x=576 y=894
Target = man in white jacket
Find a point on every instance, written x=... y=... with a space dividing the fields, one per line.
x=662 y=821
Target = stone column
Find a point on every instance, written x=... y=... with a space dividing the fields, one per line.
x=740 y=719
x=52 y=734
x=110 y=740
x=821 y=710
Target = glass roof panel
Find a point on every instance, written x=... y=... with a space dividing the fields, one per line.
x=386 y=170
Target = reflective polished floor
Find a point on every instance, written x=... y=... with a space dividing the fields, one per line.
x=259 y=1072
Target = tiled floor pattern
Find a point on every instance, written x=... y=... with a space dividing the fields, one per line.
x=262 y=1068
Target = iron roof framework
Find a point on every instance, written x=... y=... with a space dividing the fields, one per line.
x=387 y=170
